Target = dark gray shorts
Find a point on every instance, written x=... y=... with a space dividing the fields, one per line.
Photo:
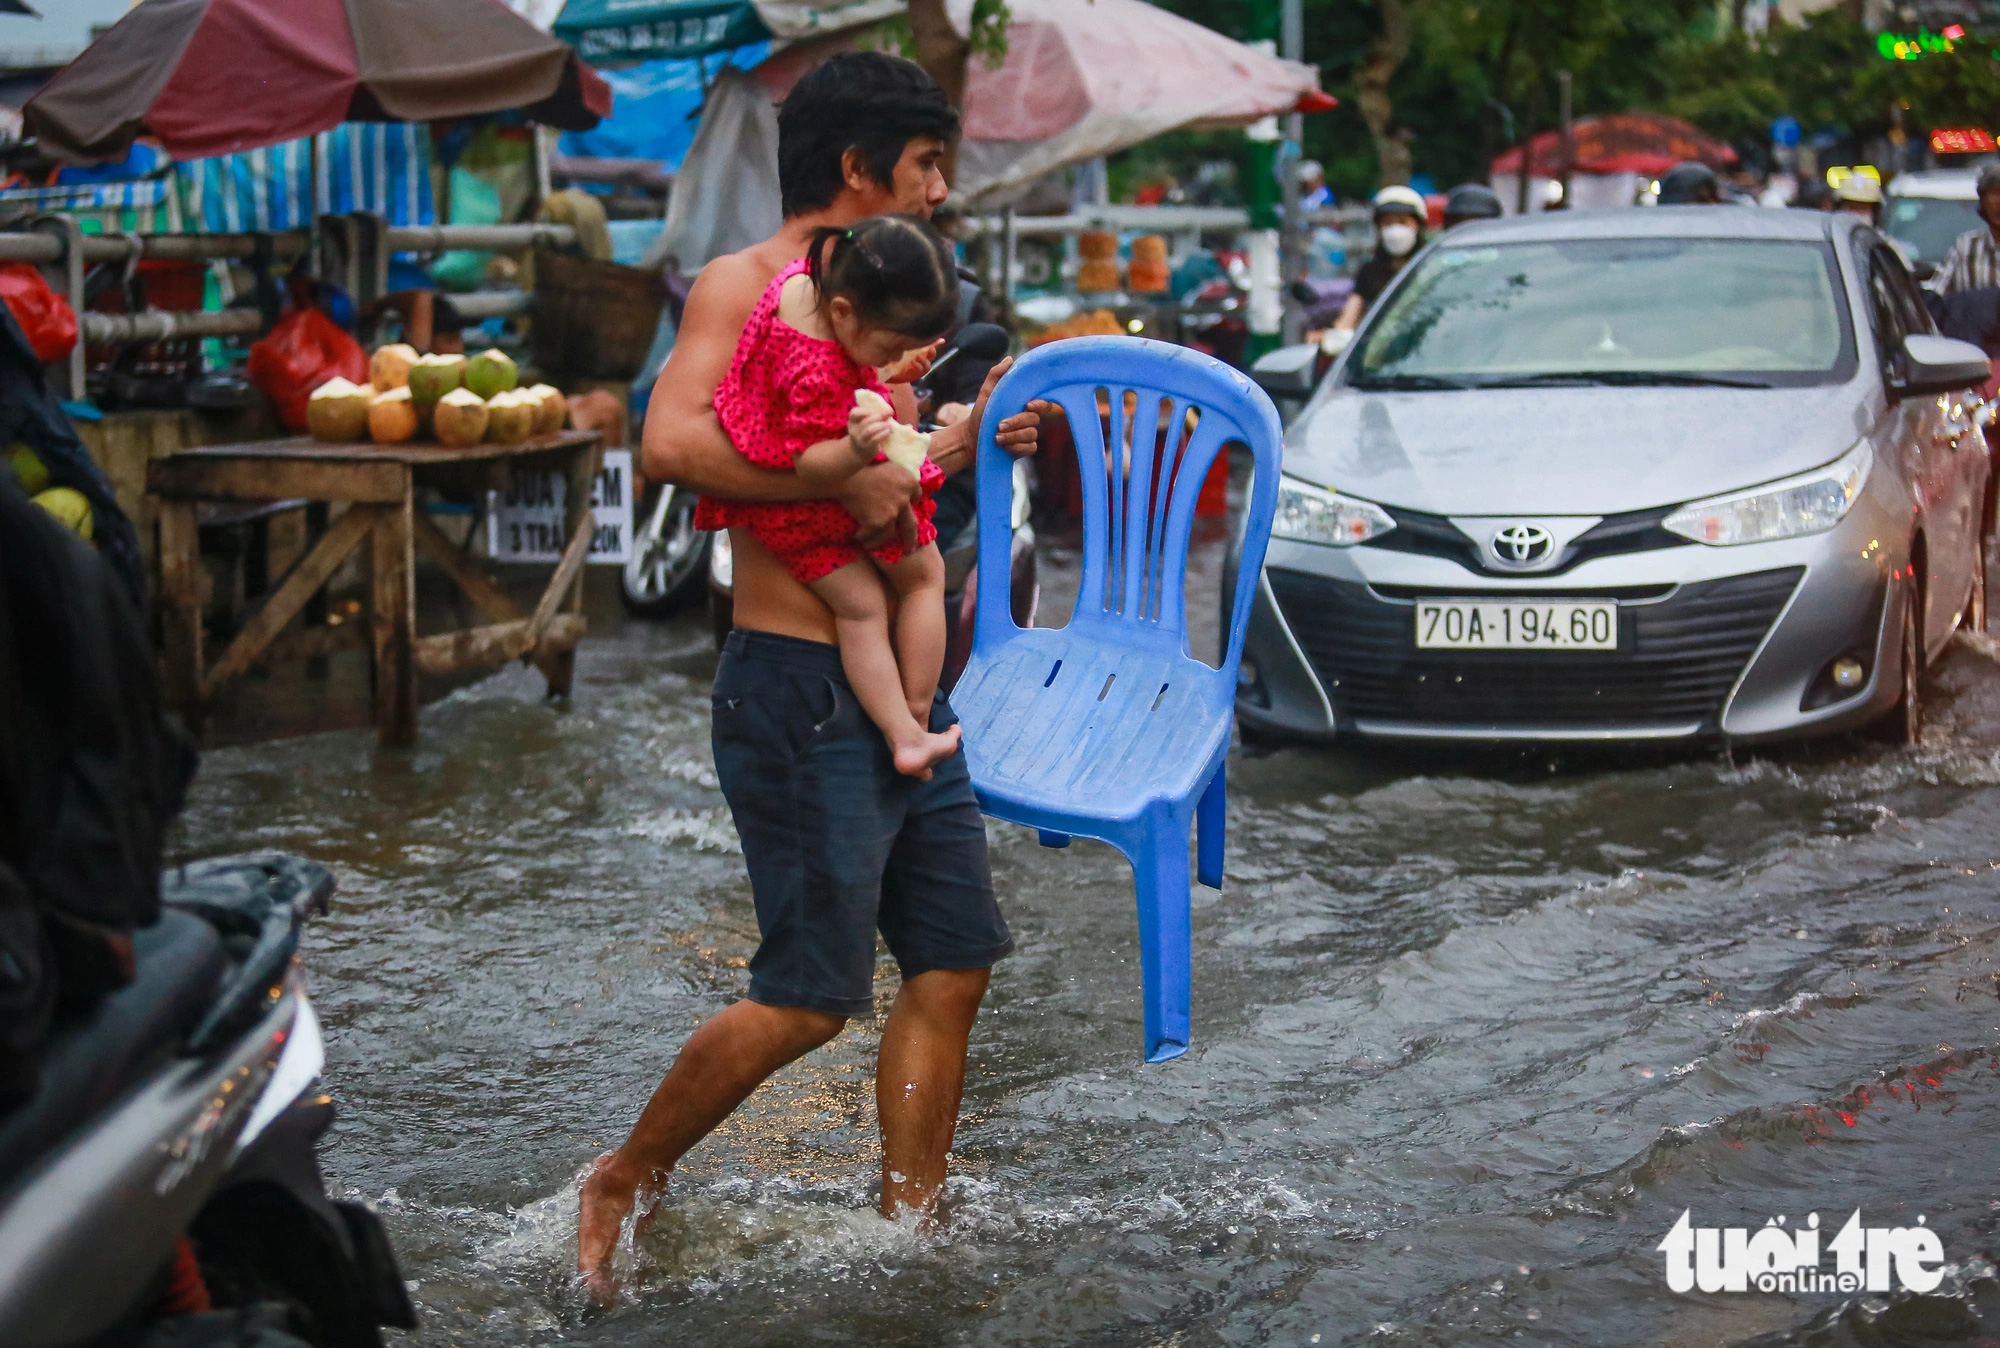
x=838 y=843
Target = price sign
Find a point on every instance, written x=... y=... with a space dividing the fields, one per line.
x=525 y=522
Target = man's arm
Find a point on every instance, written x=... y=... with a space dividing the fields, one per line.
x=684 y=443
x=955 y=447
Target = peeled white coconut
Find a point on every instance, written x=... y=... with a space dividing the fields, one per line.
x=907 y=447
x=338 y=410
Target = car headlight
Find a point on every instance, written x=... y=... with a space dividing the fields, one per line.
x=1811 y=503
x=1315 y=515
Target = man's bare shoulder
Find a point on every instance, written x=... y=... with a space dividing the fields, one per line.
x=728 y=289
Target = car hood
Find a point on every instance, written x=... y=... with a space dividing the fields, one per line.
x=1568 y=451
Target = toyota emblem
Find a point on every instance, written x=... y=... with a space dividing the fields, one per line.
x=1523 y=546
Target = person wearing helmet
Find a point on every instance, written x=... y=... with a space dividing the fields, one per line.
x=1313 y=191
x=1974 y=261
x=1859 y=194
x=1813 y=195
x=1471 y=201
x=1399 y=232
x=1690 y=184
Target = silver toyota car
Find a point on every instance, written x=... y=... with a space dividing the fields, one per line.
x=1684 y=473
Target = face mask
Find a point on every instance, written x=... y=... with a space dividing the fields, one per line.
x=1398 y=240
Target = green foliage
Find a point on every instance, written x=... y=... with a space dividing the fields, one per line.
x=989 y=31
x=1653 y=55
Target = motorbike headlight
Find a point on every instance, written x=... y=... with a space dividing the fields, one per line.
x=1811 y=503
x=1315 y=515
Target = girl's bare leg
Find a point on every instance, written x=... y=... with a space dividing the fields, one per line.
x=861 y=622
x=918 y=581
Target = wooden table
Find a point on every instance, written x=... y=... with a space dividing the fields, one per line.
x=377 y=484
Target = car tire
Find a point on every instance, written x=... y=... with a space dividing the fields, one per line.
x=1975 y=603
x=669 y=567
x=1903 y=724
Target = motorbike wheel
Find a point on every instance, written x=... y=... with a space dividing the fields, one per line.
x=669 y=566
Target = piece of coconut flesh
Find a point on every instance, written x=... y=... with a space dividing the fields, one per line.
x=907 y=447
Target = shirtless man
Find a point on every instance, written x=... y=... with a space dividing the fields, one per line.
x=837 y=843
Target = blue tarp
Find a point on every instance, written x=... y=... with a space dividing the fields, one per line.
x=363 y=166
x=655 y=108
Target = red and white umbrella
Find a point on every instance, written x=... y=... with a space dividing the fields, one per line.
x=211 y=77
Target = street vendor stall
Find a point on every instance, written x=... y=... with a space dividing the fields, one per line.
x=207 y=78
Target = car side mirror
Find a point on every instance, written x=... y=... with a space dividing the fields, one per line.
x=1940 y=365
x=1288 y=372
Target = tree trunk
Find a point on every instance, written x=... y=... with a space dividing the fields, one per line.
x=1385 y=54
x=943 y=54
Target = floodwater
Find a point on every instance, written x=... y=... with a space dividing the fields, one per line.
x=1470 y=1034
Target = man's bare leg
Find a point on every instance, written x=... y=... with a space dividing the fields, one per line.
x=919 y=1077
x=721 y=1063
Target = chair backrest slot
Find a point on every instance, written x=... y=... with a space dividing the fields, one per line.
x=1055 y=670
x=1148 y=422
x=1158 y=700
x=1109 y=679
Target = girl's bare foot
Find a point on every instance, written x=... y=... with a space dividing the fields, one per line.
x=920 y=755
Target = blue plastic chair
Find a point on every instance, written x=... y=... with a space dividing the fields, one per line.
x=1108 y=728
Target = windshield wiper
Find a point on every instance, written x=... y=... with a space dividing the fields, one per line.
x=1622 y=378
x=1409 y=383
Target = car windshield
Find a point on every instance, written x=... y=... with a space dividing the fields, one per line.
x=1760 y=313
x=1928 y=227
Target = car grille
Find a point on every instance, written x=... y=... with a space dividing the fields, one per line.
x=1676 y=661
x=1436 y=536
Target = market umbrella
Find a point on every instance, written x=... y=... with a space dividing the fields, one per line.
x=211 y=77
x=1083 y=80
x=642 y=30
x=1622 y=142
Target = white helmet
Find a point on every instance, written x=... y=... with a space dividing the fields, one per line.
x=1400 y=199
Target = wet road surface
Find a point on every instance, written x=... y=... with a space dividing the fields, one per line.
x=1470 y=1034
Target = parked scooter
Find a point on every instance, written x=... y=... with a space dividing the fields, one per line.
x=161 y=1187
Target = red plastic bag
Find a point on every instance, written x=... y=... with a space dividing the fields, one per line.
x=43 y=315
x=304 y=350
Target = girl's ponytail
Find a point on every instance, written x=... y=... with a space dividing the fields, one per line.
x=896 y=270
x=819 y=258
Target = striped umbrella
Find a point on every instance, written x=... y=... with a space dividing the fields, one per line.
x=214 y=77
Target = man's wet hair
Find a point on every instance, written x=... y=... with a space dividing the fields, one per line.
x=859 y=100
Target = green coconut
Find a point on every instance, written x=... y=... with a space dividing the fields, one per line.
x=460 y=419
x=491 y=371
x=431 y=377
x=338 y=410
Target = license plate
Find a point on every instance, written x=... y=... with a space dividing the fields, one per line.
x=1516 y=625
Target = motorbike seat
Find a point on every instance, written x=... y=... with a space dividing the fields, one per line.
x=93 y=1059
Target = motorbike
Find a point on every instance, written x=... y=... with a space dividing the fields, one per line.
x=956 y=376
x=670 y=557
x=161 y=1187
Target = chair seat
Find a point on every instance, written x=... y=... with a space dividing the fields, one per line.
x=1103 y=735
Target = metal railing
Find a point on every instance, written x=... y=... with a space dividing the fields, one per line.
x=354 y=250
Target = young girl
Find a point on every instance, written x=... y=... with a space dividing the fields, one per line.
x=859 y=300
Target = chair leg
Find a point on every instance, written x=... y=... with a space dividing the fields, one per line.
x=1050 y=838
x=1165 y=936
x=1210 y=817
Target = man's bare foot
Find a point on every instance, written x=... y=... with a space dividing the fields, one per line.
x=920 y=755
x=606 y=1199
